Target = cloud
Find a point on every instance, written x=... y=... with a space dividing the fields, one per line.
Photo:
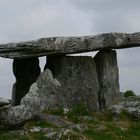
x=111 y=15
x=30 y=19
x=117 y=16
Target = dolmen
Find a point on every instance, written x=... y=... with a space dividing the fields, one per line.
x=67 y=81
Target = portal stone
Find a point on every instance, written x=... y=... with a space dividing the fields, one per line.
x=26 y=72
x=108 y=76
x=78 y=79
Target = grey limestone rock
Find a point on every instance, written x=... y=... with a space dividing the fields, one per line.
x=53 y=119
x=4 y=102
x=14 y=115
x=42 y=95
x=108 y=76
x=69 y=45
x=79 y=81
x=130 y=105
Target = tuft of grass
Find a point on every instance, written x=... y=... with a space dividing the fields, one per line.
x=78 y=110
x=37 y=136
x=37 y=123
x=98 y=136
x=125 y=131
x=44 y=124
x=124 y=116
x=104 y=115
x=10 y=136
x=59 y=111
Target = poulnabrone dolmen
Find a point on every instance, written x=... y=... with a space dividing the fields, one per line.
x=66 y=80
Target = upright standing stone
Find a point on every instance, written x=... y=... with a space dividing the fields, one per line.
x=106 y=62
x=78 y=79
x=26 y=72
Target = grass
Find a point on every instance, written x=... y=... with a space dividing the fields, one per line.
x=129 y=93
x=9 y=136
x=97 y=136
x=123 y=128
x=37 y=136
x=38 y=123
x=114 y=134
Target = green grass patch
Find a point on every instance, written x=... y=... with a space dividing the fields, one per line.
x=59 y=112
x=9 y=136
x=38 y=123
x=98 y=136
x=37 y=136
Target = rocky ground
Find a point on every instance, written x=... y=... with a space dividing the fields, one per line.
x=121 y=122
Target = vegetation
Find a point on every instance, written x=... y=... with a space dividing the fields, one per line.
x=97 y=126
x=129 y=93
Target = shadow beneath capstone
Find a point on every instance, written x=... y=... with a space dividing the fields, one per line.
x=8 y=79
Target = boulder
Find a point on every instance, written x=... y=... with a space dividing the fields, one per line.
x=108 y=76
x=79 y=81
x=129 y=105
x=4 y=102
x=15 y=115
x=41 y=96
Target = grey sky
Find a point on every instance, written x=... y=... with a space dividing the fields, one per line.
x=31 y=19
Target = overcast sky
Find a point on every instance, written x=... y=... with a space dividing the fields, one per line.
x=31 y=19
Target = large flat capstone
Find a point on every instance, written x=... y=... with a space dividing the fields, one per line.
x=69 y=45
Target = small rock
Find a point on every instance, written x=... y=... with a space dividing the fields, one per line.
x=61 y=133
x=99 y=128
x=66 y=110
x=87 y=118
x=116 y=109
x=36 y=129
x=51 y=135
x=130 y=105
x=4 y=102
x=55 y=120
x=79 y=127
x=73 y=135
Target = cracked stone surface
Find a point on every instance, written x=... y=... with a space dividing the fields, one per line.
x=69 y=45
x=79 y=81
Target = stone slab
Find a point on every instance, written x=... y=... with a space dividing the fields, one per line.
x=69 y=45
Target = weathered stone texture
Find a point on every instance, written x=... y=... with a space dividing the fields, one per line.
x=106 y=62
x=78 y=79
x=69 y=45
x=4 y=102
x=26 y=72
x=42 y=95
x=130 y=105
